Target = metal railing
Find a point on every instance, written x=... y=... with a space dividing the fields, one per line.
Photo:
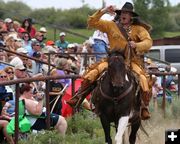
x=27 y=80
x=73 y=77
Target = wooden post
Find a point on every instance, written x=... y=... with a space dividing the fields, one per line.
x=17 y=114
x=164 y=94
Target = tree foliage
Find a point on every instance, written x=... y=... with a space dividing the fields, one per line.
x=159 y=13
x=156 y=13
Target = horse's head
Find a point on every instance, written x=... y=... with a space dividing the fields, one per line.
x=117 y=68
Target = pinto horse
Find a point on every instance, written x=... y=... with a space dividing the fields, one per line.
x=116 y=99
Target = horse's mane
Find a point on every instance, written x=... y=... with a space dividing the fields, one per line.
x=116 y=52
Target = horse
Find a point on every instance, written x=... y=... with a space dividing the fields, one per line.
x=117 y=99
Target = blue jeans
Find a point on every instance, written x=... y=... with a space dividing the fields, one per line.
x=99 y=46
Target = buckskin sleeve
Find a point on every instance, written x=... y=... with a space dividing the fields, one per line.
x=94 y=21
x=145 y=41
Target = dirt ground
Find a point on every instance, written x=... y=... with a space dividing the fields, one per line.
x=155 y=128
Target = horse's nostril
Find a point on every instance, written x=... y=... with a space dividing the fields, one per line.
x=121 y=87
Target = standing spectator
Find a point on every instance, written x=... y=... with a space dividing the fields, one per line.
x=28 y=26
x=55 y=90
x=63 y=65
x=43 y=31
x=101 y=43
x=62 y=43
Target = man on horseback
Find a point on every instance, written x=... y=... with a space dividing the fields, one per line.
x=137 y=42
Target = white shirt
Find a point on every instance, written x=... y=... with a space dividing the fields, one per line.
x=101 y=36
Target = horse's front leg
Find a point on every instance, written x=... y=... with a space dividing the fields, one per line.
x=134 y=128
x=106 y=127
x=123 y=122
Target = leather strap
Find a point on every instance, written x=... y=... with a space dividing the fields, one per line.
x=131 y=52
x=123 y=31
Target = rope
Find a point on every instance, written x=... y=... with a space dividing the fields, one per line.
x=59 y=97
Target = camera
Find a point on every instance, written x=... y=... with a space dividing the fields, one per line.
x=6 y=96
x=37 y=54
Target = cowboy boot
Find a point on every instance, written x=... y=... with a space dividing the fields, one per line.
x=85 y=89
x=145 y=114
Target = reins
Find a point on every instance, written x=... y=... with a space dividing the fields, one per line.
x=118 y=98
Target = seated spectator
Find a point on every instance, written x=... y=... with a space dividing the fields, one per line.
x=6 y=93
x=16 y=26
x=3 y=57
x=40 y=38
x=9 y=24
x=26 y=40
x=20 y=71
x=3 y=124
x=2 y=42
x=21 y=32
x=10 y=72
x=35 y=109
x=2 y=26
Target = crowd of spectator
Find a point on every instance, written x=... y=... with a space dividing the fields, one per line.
x=23 y=54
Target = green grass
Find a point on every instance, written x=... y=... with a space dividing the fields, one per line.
x=53 y=34
x=171 y=34
x=85 y=127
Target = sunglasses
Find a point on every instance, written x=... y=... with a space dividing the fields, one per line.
x=3 y=76
x=37 y=45
x=10 y=72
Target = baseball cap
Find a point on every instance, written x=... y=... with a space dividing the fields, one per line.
x=20 y=67
x=49 y=43
x=22 y=50
x=21 y=30
x=62 y=34
x=70 y=46
x=17 y=63
x=43 y=29
x=8 y=20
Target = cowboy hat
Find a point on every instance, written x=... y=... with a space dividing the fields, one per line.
x=127 y=7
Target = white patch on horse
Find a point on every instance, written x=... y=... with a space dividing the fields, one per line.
x=123 y=122
x=131 y=114
x=126 y=78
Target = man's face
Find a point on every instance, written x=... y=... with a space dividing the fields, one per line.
x=20 y=73
x=62 y=38
x=125 y=17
